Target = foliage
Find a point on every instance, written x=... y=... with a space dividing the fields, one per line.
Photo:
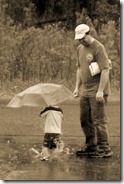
x=32 y=55
x=20 y=11
x=109 y=32
x=106 y=11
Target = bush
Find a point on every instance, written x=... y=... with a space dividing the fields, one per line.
x=38 y=54
x=110 y=37
x=48 y=54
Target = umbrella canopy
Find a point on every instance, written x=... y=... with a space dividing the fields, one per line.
x=42 y=93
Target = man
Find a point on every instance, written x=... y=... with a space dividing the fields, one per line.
x=95 y=90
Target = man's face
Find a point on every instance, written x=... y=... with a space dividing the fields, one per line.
x=85 y=40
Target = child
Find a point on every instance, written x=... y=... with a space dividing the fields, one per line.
x=53 y=116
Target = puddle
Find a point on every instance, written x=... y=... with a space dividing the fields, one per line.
x=22 y=128
x=67 y=167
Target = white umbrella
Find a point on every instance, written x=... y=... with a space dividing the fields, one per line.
x=42 y=93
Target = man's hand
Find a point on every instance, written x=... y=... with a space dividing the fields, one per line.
x=99 y=97
x=76 y=93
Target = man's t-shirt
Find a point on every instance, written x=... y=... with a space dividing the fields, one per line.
x=95 y=52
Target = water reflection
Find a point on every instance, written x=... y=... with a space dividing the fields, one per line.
x=73 y=168
x=66 y=167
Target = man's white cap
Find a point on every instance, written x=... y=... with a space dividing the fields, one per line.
x=80 y=31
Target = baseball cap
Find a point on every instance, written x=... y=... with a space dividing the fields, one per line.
x=80 y=31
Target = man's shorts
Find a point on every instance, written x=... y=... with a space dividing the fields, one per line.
x=51 y=140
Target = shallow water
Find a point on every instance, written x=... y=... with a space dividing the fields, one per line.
x=20 y=131
x=65 y=167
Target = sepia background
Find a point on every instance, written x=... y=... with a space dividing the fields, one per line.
x=37 y=40
x=37 y=45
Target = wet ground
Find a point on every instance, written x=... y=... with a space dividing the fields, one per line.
x=21 y=130
x=67 y=167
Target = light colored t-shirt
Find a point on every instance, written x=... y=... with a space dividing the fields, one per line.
x=52 y=121
x=86 y=55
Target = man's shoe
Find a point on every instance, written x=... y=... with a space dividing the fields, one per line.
x=101 y=154
x=86 y=151
x=108 y=153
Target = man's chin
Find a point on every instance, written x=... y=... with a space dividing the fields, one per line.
x=86 y=44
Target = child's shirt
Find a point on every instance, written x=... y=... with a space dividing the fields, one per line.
x=53 y=119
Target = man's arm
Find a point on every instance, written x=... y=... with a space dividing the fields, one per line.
x=103 y=81
x=78 y=83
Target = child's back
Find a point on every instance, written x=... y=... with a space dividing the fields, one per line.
x=53 y=119
x=53 y=116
